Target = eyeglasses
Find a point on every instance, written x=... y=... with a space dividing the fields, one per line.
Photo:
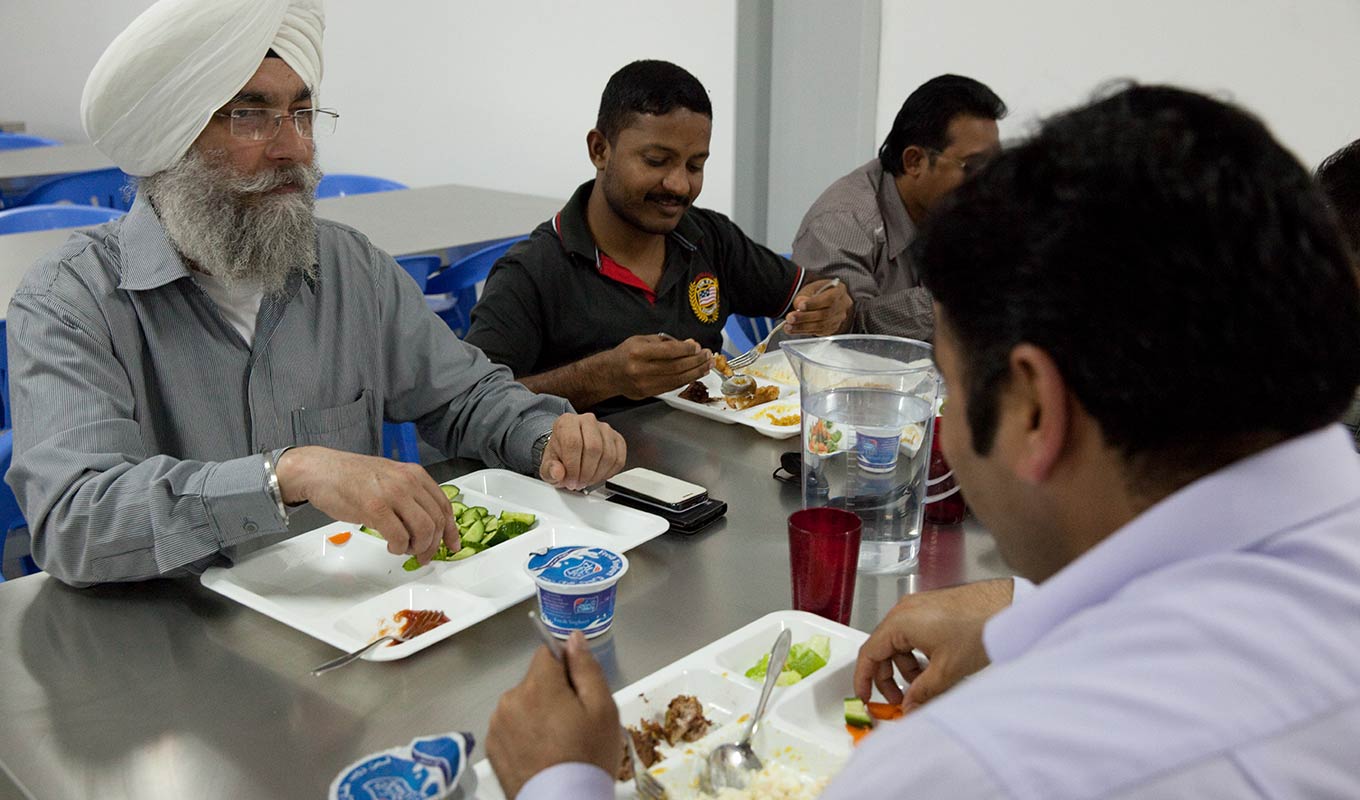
x=968 y=167
x=263 y=124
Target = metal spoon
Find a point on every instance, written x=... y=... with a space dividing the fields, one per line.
x=730 y=765
x=736 y=385
x=347 y=658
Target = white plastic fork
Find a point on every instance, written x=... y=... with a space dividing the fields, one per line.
x=749 y=357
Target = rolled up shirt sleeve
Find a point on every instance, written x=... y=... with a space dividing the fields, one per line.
x=99 y=505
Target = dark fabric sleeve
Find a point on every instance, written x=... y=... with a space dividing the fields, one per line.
x=508 y=320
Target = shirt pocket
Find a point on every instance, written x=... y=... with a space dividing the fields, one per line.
x=348 y=427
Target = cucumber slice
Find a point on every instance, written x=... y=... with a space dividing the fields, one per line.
x=473 y=533
x=494 y=538
x=468 y=551
x=518 y=516
x=856 y=714
x=369 y=531
x=451 y=491
x=492 y=523
x=459 y=509
x=512 y=527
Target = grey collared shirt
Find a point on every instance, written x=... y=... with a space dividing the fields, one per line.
x=859 y=231
x=141 y=417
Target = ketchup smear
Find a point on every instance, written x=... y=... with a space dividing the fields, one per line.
x=414 y=623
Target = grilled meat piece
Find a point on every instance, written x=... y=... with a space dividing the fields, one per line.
x=685 y=720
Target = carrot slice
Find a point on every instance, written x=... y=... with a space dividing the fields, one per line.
x=857 y=733
x=884 y=711
x=340 y=538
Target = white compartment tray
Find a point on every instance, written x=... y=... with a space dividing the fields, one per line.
x=804 y=724
x=345 y=594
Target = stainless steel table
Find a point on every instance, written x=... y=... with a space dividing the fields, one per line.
x=401 y=222
x=166 y=690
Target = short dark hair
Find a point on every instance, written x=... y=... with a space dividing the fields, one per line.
x=924 y=117
x=1339 y=178
x=648 y=87
x=1176 y=263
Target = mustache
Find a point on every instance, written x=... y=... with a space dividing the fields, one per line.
x=656 y=197
x=303 y=176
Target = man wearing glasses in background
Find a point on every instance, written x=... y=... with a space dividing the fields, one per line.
x=860 y=228
x=182 y=374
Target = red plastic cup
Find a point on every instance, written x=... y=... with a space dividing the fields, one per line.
x=944 y=502
x=824 y=556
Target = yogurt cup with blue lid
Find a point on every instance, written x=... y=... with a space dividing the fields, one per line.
x=576 y=587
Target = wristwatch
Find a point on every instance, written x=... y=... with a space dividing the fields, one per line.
x=271 y=480
x=536 y=455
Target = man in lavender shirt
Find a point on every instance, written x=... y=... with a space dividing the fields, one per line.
x=1150 y=326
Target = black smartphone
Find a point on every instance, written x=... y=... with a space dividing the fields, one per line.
x=691 y=520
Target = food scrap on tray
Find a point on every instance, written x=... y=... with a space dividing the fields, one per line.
x=697 y=392
x=763 y=394
x=412 y=623
x=861 y=717
x=684 y=722
x=782 y=416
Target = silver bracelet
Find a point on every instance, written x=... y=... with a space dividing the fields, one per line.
x=271 y=483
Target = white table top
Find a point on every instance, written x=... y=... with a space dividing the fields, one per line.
x=28 y=162
x=401 y=222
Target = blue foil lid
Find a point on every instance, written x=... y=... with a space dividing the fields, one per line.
x=428 y=767
x=575 y=566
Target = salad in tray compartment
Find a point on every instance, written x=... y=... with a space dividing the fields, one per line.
x=477 y=529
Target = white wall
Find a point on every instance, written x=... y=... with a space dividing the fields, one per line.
x=495 y=93
x=1294 y=63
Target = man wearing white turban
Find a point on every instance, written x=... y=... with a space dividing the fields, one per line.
x=182 y=375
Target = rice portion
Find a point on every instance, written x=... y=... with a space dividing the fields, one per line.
x=777 y=781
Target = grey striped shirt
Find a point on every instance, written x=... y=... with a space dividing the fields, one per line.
x=141 y=415
x=859 y=231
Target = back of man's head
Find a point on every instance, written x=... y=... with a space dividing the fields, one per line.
x=1175 y=262
x=1339 y=179
x=649 y=87
x=924 y=117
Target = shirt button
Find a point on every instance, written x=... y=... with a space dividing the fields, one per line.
x=248 y=525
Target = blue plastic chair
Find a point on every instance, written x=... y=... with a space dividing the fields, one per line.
x=453 y=292
x=341 y=185
x=744 y=332
x=18 y=141
x=400 y=440
x=42 y=218
x=6 y=421
x=107 y=188
x=11 y=518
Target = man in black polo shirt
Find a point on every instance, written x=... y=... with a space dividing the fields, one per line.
x=624 y=293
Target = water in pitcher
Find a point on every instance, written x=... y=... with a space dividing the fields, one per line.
x=866 y=450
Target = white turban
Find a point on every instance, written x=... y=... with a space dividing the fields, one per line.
x=157 y=85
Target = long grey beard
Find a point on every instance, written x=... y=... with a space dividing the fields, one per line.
x=230 y=227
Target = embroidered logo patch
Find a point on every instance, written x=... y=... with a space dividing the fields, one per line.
x=703 y=297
